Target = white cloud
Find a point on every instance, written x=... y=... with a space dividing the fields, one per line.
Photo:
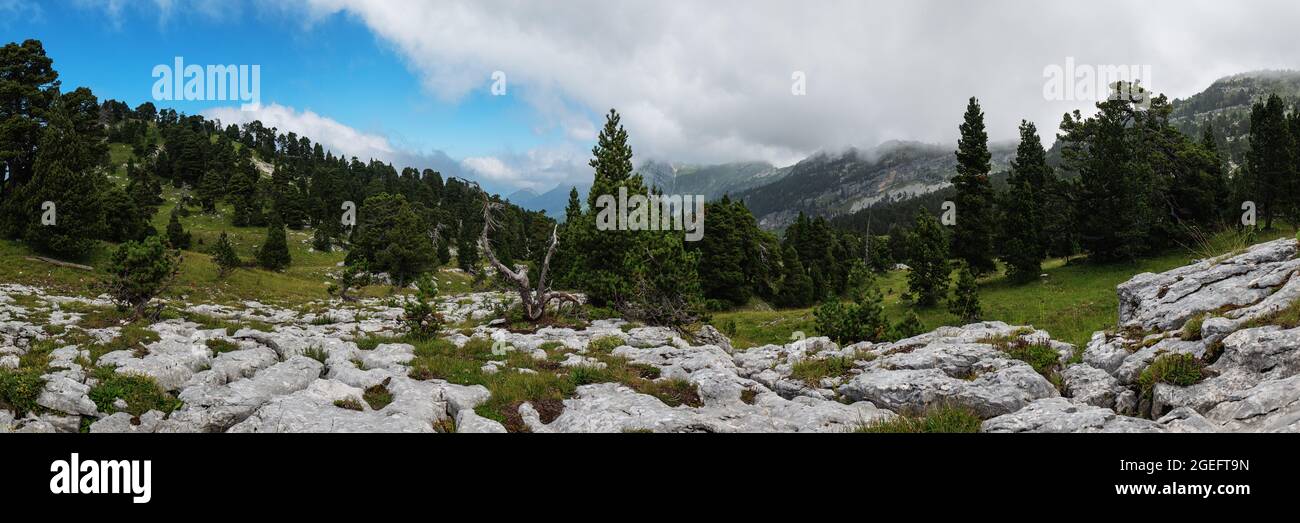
x=710 y=81
x=164 y=10
x=329 y=133
x=538 y=169
x=491 y=168
x=18 y=11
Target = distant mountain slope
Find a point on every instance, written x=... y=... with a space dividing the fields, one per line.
x=553 y=201
x=712 y=181
x=1226 y=104
x=836 y=184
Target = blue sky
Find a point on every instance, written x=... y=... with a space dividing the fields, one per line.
x=333 y=66
x=696 y=81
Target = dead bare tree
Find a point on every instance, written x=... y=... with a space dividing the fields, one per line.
x=533 y=299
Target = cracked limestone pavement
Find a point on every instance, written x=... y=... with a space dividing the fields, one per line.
x=306 y=372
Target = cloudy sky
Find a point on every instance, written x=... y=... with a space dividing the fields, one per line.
x=696 y=81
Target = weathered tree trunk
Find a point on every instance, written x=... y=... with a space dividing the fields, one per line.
x=533 y=300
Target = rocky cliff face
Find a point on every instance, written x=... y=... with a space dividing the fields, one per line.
x=1223 y=320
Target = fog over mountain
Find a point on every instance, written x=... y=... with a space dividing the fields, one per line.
x=705 y=83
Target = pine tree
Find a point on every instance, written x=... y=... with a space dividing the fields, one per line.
x=860 y=280
x=211 y=188
x=223 y=254
x=467 y=257
x=1218 y=179
x=861 y=320
x=879 y=255
x=1024 y=244
x=409 y=251
x=177 y=236
x=30 y=87
x=139 y=271
x=1115 y=190
x=965 y=302
x=1269 y=161
x=274 y=254
x=908 y=327
x=392 y=237
x=144 y=190
x=604 y=277
x=973 y=233
x=796 y=286
x=320 y=240
x=927 y=282
x=444 y=250
x=122 y=219
x=663 y=280
x=242 y=189
x=568 y=257
x=723 y=255
x=65 y=175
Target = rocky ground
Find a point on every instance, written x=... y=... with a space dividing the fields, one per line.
x=257 y=368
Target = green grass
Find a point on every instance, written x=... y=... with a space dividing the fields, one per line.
x=1073 y=301
x=938 y=418
x=1174 y=369
x=378 y=396
x=348 y=403
x=141 y=393
x=1192 y=328
x=812 y=370
x=316 y=353
x=306 y=279
x=755 y=328
x=19 y=389
x=370 y=342
x=133 y=337
x=230 y=326
x=546 y=387
x=219 y=346
x=1041 y=356
x=1287 y=318
x=604 y=344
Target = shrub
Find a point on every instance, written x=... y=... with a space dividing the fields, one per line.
x=1192 y=329
x=1041 y=356
x=348 y=403
x=604 y=344
x=812 y=370
x=965 y=302
x=355 y=275
x=139 y=271
x=141 y=393
x=908 y=327
x=1173 y=369
x=421 y=319
x=728 y=327
x=854 y=322
x=378 y=396
x=316 y=353
x=20 y=388
x=177 y=236
x=673 y=392
x=937 y=418
x=220 y=346
x=223 y=254
x=274 y=254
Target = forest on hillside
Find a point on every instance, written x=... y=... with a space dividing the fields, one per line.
x=1129 y=184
